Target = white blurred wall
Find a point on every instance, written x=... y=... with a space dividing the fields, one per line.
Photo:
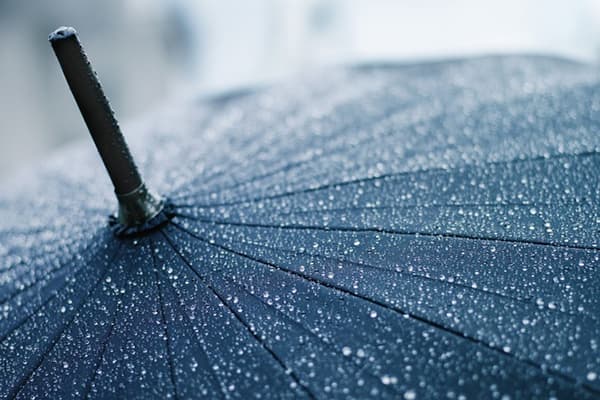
x=148 y=52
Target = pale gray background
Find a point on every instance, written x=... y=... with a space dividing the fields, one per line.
x=147 y=52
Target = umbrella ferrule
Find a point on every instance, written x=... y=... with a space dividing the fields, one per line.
x=95 y=110
x=138 y=206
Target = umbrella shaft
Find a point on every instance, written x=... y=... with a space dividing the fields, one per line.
x=96 y=111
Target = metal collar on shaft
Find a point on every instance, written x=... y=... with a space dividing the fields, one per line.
x=139 y=206
x=136 y=203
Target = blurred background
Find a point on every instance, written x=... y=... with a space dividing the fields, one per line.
x=147 y=52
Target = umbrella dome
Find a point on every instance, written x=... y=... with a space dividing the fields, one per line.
x=426 y=230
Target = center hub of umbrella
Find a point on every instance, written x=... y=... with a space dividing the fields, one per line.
x=156 y=222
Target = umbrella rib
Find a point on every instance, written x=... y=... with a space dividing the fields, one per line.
x=180 y=305
x=92 y=379
x=56 y=338
x=185 y=314
x=424 y=206
x=387 y=270
x=394 y=112
x=283 y=168
x=396 y=309
x=419 y=276
x=392 y=175
x=323 y=175
x=161 y=303
x=241 y=320
x=310 y=332
x=246 y=182
x=409 y=206
x=392 y=232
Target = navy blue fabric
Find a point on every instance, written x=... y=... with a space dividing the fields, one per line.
x=387 y=231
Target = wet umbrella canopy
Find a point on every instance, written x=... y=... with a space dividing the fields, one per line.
x=389 y=231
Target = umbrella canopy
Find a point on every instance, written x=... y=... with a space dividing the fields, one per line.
x=390 y=231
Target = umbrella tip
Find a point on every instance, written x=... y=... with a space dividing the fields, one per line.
x=137 y=205
x=62 y=33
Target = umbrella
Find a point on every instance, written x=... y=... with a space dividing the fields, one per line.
x=426 y=230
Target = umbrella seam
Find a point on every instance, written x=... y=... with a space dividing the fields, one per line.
x=348 y=101
x=447 y=235
x=436 y=170
x=434 y=324
x=241 y=320
x=524 y=300
x=44 y=303
x=199 y=340
x=170 y=359
x=315 y=211
x=25 y=379
x=297 y=323
x=395 y=111
x=88 y=387
x=92 y=379
x=393 y=271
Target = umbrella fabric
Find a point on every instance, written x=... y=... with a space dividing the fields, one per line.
x=389 y=231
